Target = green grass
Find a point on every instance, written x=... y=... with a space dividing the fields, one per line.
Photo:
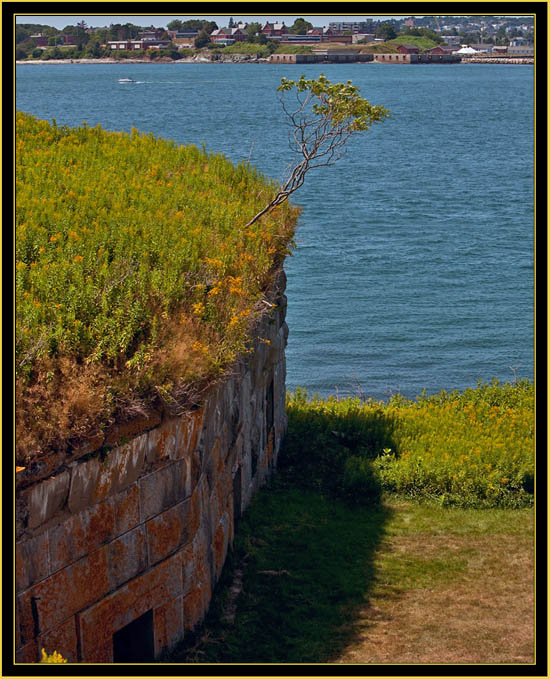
x=381 y=48
x=133 y=268
x=315 y=566
x=250 y=48
x=416 y=40
x=324 y=551
x=295 y=49
x=469 y=449
x=331 y=553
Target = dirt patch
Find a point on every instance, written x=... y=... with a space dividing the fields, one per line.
x=485 y=615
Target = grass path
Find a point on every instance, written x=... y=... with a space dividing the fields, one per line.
x=395 y=583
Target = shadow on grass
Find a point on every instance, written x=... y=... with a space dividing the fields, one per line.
x=306 y=548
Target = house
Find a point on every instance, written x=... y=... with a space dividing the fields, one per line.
x=227 y=36
x=484 y=47
x=151 y=35
x=40 y=40
x=367 y=37
x=120 y=44
x=133 y=45
x=338 y=38
x=440 y=50
x=183 y=38
x=409 y=22
x=239 y=34
x=407 y=49
x=521 y=51
x=346 y=26
x=291 y=38
x=451 y=40
x=274 y=29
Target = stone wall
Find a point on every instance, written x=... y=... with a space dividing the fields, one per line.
x=128 y=541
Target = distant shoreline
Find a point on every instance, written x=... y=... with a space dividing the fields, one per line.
x=108 y=61
x=241 y=60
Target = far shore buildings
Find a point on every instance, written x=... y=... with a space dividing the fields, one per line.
x=343 y=33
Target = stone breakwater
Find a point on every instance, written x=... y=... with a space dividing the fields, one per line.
x=119 y=546
x=500 y=60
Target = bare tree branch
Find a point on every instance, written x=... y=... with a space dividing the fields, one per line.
x=327 y=115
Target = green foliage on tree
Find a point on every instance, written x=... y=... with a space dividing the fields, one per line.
x=386 y=32
x=195 y=25
x=202 y=39
x=94 y=49
x=326 y=116
x=24 y=31
x=175 y=25
x=300 y=27
x=253 y=32
x=423 y=32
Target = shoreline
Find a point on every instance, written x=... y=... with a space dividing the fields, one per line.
x=242 y=59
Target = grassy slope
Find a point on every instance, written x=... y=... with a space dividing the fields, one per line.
x=415 y=40
x=381 y=48
x=134 y=272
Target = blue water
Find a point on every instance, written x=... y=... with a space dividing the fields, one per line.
x=414 y=259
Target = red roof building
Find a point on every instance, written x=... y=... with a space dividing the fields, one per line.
x=407 y=49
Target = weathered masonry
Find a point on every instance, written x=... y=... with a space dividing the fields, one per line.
x=418 y=58
x=322 y=57
x=119 y=545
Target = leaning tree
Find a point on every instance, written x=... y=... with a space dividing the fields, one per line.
x=321 y=120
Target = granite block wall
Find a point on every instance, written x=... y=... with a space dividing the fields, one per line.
x=126 y=537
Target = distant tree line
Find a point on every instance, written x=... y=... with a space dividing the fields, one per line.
x=87 y=42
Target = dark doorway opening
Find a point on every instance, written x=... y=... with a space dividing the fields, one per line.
x=135 y=642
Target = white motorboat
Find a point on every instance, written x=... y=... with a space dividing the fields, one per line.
x=126 y=80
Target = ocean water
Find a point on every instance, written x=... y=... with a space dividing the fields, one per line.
x=414 y=261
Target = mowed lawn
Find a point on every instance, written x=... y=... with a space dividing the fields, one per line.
x=452 y=586
x=313 y=580
x=392 y=533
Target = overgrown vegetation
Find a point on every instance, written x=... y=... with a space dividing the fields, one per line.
x=248 y=48
x=135 y=276
x=471 y=449
x=420 y=41
x=380 y=48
